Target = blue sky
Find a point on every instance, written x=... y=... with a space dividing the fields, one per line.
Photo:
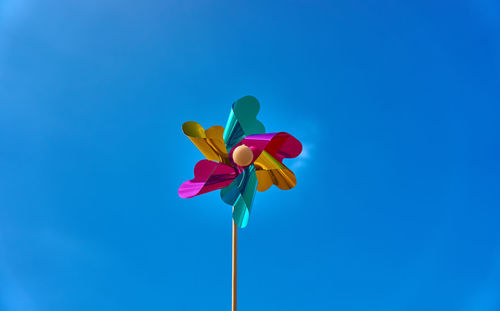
x=397 y=201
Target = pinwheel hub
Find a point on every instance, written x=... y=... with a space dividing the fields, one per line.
x=242 y=155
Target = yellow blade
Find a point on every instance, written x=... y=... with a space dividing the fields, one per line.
x=270 y=171
x=209 y=142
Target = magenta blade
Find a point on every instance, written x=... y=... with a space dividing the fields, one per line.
x=279 y=145
x=208 y=176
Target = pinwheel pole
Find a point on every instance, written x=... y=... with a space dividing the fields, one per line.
x=235 y=243
x=240 y=159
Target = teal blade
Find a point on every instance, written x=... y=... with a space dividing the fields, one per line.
x=240 y=195
x=242 y=121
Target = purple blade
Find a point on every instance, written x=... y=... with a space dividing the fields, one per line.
x=208 y=176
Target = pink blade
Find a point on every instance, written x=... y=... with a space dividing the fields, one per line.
x=208 y=176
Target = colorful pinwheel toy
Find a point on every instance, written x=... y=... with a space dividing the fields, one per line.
x=240 y=159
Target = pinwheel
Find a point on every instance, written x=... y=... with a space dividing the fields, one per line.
x=240 y=159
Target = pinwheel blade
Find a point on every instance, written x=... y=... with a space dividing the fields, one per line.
x=270 y=150
x=242 y=121
x=270 y=172
x=210 y=142
x=240 y=195
x=208 y=176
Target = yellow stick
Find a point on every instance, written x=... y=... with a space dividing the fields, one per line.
x=235 y=239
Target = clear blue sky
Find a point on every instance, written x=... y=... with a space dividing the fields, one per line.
x=397 y=204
